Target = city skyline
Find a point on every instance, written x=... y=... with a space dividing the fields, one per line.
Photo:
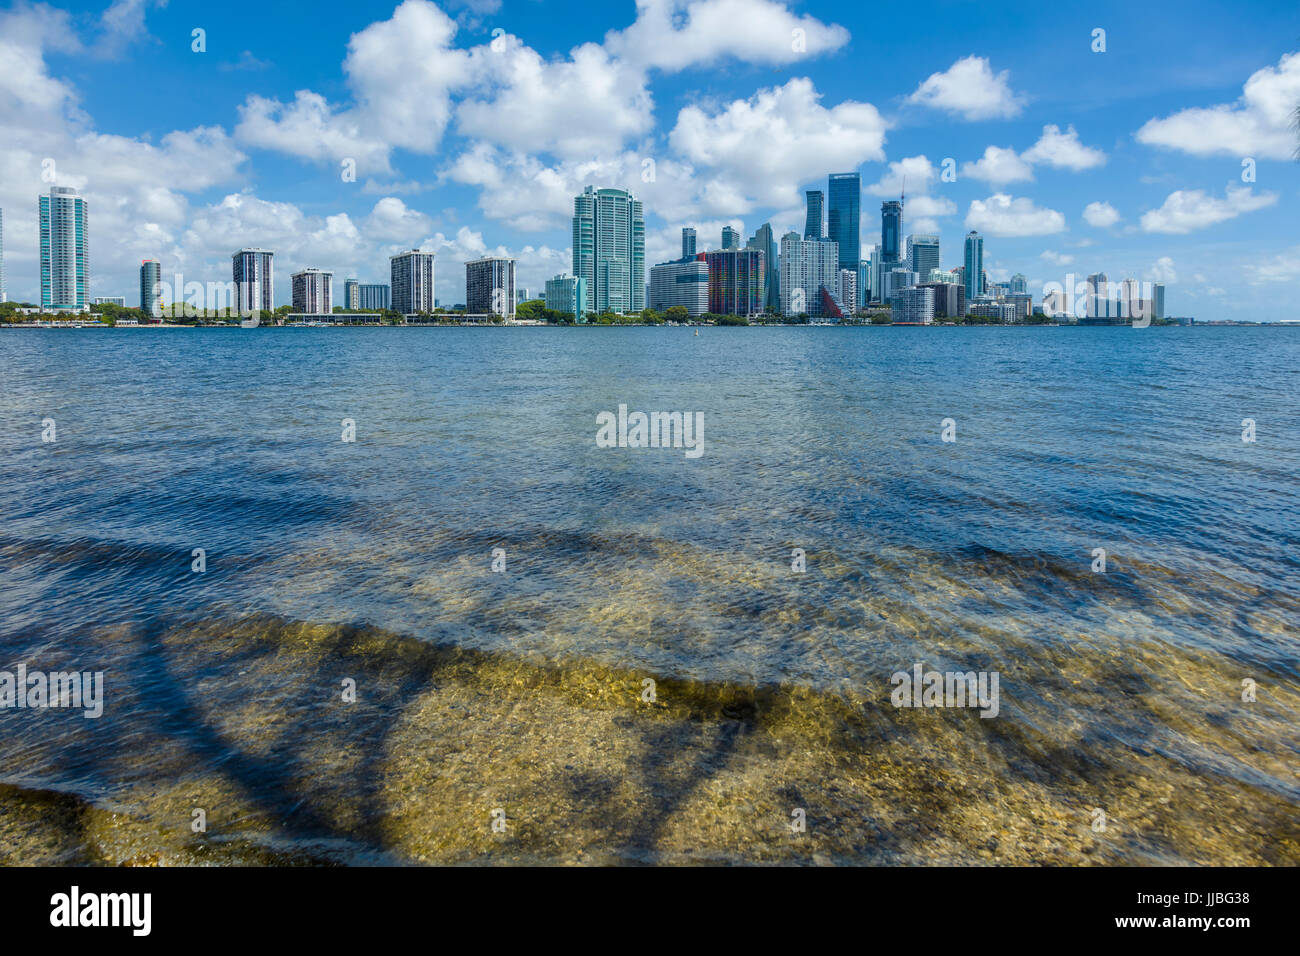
x=1118 y=185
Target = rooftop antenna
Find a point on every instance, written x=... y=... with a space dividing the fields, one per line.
x=902 y=195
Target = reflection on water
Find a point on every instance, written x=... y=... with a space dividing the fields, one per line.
x=329 y=561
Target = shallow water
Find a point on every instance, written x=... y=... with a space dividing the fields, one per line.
x=521 y=690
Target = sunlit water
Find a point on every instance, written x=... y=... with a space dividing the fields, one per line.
x=371 y=561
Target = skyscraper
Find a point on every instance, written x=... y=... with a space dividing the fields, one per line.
x=254 y=273
x=65 y=250
x=688 y=243
x=891 y=231
x=411 y=274
x=973 y=265
x=923 y=254
x=1097 y=304
x=1157 y=301
x=736 y=281
x=609 y=249
x=150 y=280
x=351 y=294
x=844 y=217
x=490 y=286
x=1019 y=284
x=730 y=238
x=810 y=273
x=312 y=291
x=812 y=228
x=764 y=241
x=865 y=279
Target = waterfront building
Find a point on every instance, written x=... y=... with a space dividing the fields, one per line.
x=683 y=282
x=253 y=271
x=973 y=265
x=412 y=281
x=375 y=295
x=736 y=281
x=64 y=250
x=809 y=275
x=609 y=249
x=351 y=294
x=949 y=299
x=568 y=294
x=912 y=306
x=490 y=286
x=312 y=291
x=151 y=288
x=848 y=293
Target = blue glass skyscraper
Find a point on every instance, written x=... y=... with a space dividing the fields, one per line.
x=844 y=216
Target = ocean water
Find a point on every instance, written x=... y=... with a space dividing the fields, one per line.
x=332 y=564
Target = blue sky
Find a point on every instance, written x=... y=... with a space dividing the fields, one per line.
x=471 y=124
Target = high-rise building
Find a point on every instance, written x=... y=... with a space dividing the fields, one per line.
x=490 y=286
x=150 y=291
x=684 y=282
x=688 y=243
x=1024 y=303
x=3 y=291
x=609 y=249
x=812 y=228
x=374 y=295
x=65 y=250
x=1097 y=303
x=254 y=273
x=891 y=232
x=912 y=306
x=312 y=291
x=522 y=295
x=865 y=279
x=567 y=294
x=1157 y=301
x=809 y=275
x=922 y=254
x=949 y=299
x=896 y=279
x=412 y=281
x=848 y=293
x=765 y=242
x=351 y=294
x=736 y=282
x=1019 y=284
x=973 y=265
x=730 y=238
x=109 y=300
x=844 y=217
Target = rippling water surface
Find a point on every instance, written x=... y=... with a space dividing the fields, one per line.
x=371 y=561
